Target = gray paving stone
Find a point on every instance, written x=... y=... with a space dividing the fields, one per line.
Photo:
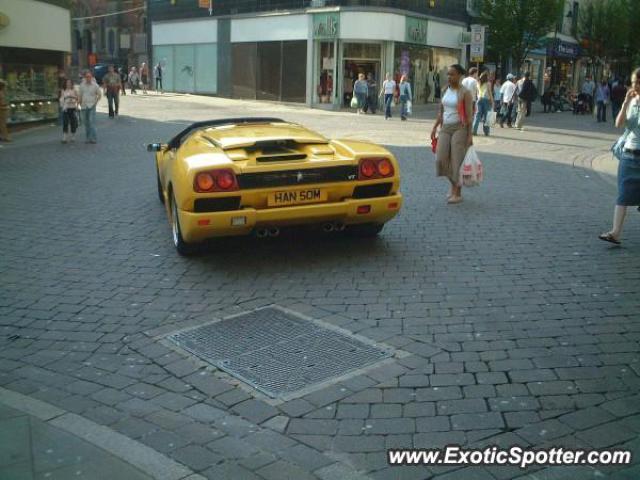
x=520 y=419
x=385 y=426
x=255 y=411
x=229 y=470
x=433 y=424
x=438 y=393
x=543 y=431
x=347 y=410
x=513 y=404
x=452 y=379
x=607 y=435
x=164 y=441
x=469 y=405
x=282 y=470
x=421 y=409
x=196 y=457
x=367 y=443
x=310 y=426
x=477 y=421
x=387 y=410
x=269 y=440
x=438 y=439
x=623 y=406
x=230 y=447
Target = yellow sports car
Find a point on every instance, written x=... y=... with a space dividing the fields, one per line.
x=257 y=175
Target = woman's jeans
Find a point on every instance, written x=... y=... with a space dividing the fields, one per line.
x=69 y=119
x=388 y=98
x=89 y=118
x=484 y=107
x=403 y=106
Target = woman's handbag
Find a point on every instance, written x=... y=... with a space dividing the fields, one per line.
x=471 y=173
x=354 y=102
x=409 y=107
x=618 y=147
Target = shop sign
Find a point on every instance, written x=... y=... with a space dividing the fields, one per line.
x=563 y=49
x=477 y=43
x=4 y=21
x=326 y=25
x=416 y=30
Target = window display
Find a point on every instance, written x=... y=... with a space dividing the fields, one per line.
x=32 y=91
x=327 y=62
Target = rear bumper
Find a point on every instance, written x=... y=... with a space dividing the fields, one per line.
x=200 y=226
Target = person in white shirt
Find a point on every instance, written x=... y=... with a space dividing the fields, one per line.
x=508 y=91
x=388 y=90
x=69 y=104
x=471 y=83
x=90 y=94
x=455 y=136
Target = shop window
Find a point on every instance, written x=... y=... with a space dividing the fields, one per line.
x=326 y=72
x=184 y=68
x=206 y=74
x=270 y=71
x=164 y=56
x=294 y=68
x=32 y=92
x=244 y=59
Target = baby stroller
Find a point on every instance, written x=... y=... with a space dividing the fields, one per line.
x=581 y=104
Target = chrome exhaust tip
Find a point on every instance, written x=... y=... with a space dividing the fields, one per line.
x=262 y=232
x=328 y=227
x=339 y=227
x=274 y=231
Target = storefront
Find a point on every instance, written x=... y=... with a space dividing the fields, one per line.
x=188 y=54
x=35 y=38
x=561 y=57
x=312 y=57
x=374 y=43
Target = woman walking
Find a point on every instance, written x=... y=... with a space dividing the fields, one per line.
x=134 y=80
x=388 y=90
x=629 y=166
x=405 y=96
x=485 y=103
x=361 y=90
x=455 y=136
x=144 y=77
x=69 y=104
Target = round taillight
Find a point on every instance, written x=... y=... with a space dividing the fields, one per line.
x=205 y=182
x=385 y=169
x=368 y=168
x=225 y=180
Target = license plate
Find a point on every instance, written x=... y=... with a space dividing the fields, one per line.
x=297 y=197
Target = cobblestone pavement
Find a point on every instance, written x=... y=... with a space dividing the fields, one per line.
x=518 y=324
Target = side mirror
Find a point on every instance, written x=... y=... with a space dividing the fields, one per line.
x=155 y=147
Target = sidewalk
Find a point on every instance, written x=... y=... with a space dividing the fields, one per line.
x=40 y=441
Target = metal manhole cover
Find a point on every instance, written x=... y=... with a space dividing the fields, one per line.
x=277 y=351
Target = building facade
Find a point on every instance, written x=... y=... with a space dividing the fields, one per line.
x=304 y=51
x=35 y=40
x=108 y=31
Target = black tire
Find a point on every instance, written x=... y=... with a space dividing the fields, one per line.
x=365 y=230
x=182 y=247
x=160 y=193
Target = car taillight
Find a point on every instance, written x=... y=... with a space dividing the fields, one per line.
x=371 y=168
x=367 y=168
x=215 y=181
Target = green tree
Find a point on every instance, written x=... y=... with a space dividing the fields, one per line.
x=605 y=27
x=516 y=26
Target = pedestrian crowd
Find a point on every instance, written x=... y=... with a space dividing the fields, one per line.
x=78 y=104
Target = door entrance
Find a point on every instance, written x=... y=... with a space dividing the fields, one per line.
x=351 y=69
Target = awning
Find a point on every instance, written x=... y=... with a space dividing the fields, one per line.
x=562 y=37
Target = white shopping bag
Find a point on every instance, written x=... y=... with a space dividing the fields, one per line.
x=471 y=173
x=491 y=119
x=409 y=105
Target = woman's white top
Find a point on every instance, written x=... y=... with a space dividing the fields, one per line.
x=450 y=106
x=633 y=125
x=389 y=87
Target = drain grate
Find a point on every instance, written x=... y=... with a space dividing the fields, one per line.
x=278 y=352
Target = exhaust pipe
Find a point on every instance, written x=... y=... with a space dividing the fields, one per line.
x=262 y=232
x=328 y=227
x=274 y=231
x=339 y=227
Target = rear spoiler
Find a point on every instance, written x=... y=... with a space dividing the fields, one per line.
x=176 y=141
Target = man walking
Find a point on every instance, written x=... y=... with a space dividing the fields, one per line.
x=589 y=88
x=471 y=84
x=508 y=91
x=112 y=85
x=157 y=74
x=603 y=95
x=90 y=94
x=525 y=90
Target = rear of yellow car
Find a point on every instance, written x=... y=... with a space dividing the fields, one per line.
x=259 y=179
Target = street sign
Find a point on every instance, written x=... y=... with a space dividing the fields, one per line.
x=477 y=43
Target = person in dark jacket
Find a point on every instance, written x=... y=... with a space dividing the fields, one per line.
x=525 y=90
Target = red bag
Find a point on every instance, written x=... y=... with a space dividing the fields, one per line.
x=434 y=144
x=462 y=112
